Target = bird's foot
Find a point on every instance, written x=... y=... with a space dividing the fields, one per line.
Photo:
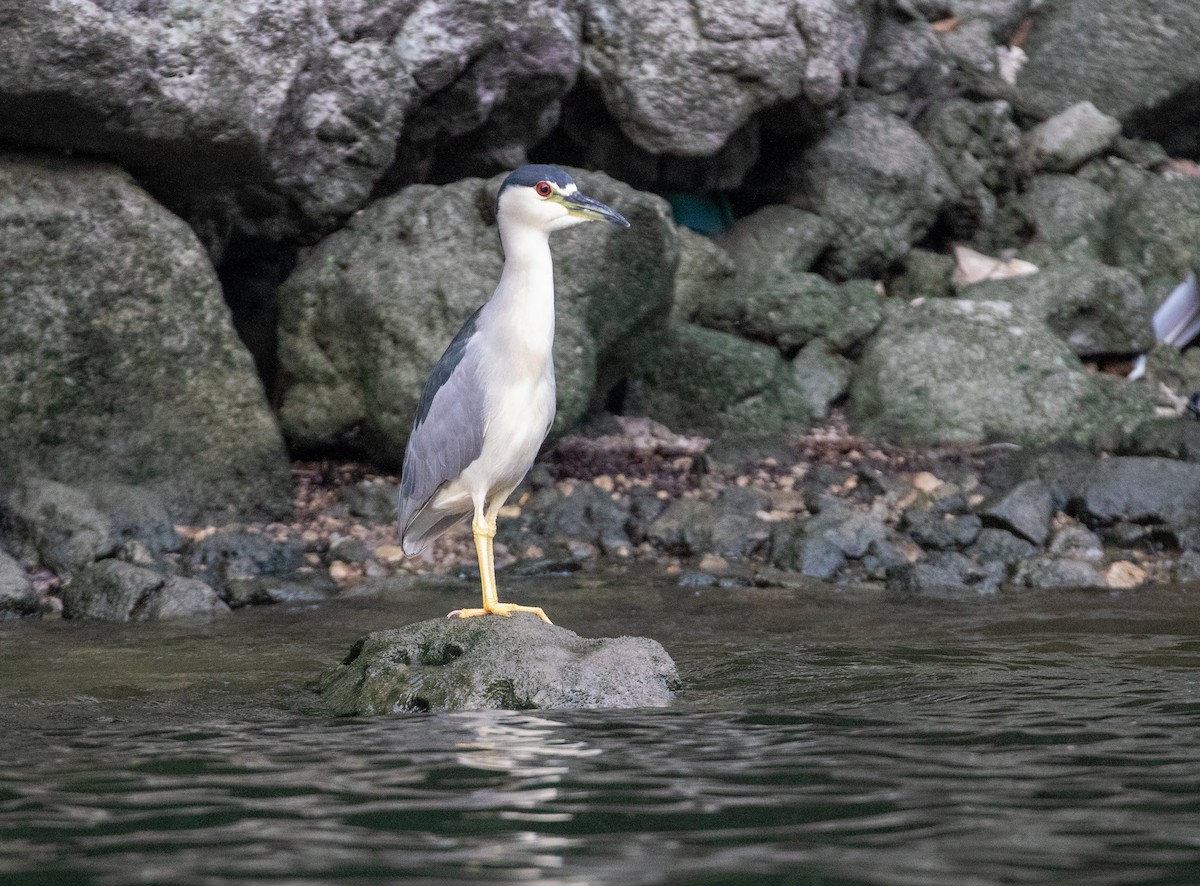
x=505 y=609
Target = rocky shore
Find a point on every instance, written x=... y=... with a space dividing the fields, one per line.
x=890 y=267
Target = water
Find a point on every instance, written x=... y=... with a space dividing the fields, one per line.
x=825 y=737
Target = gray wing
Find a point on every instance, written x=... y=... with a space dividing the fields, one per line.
x=447 y=435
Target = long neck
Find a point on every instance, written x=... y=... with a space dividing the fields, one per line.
x=525 y=294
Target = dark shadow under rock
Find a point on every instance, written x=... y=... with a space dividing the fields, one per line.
x=489 y=663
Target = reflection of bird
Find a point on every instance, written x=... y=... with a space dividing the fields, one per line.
x=489 y=401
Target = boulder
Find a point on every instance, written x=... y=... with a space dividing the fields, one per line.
x=1063 y=209
x=1167 y=437
x=681 y=78
x=17 y=595
x=1045 y=572
x=960 y=371
x=56 y=525
x=944 y=574
x=976 y=143
x=1025 y=510
x=490 y=662
x=684 y=528
x=206 y=99
x=705 y=271
x=880 y=185
x=771 y=247
x=822 y=377
x=904 y=55
x=791 y=313
x=1143 y=490
x=111 y=590
x=999 y=546
x=1098 y=310
x=590 y=515
x=270 y=120
x=226 y=556
x=1131 y=60
x=1154 y=231
x=1069 y=139
x=366 y=316
x=490 y=77
x=118 y=361
x=926 y=275
x=711 y=383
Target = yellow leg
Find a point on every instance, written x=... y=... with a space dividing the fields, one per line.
x=484 y=532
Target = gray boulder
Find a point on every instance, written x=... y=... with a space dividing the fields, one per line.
x=1154 y=231
x=770 y=248
x=56 y=525
x=17 y=596
x=589 y=515
x=202 y=97
x=904 y=55
x=684 y=528
x=489 y=663
x=705 y=271
x=112 y=590
x=880 y=185
x=960 y=371
x=926 y=275
x=1131 y=60
x=1098 y=310
x=224 y=557
x=999 y=546
x=1045 y=572
x=976 y=144
x=1177 y=438
x=1067 y=140
x=822 y=376
x=796 y=311
x=364 y=319
x=270 y=119
x=944 y=574
x=1143 y=490
x=118 y=360
x=712 y=383
x=1026 y=510
x=1064 y=209
x=490 y=76
x=681 y=78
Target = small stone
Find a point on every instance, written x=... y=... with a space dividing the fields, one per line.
x=713 y=563
x=1070 y=138
x=340 y=572
x=926 y=482
x=1123 y=574
x=604 y=483
x=389 y=555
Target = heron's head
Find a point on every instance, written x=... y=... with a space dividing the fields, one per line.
x=546 y=198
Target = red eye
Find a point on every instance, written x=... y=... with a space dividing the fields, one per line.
x=543 y=189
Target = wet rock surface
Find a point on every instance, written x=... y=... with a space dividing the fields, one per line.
x=492 y=662
x=115 y=591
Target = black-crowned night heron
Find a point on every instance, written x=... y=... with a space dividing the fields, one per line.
x=489 y=401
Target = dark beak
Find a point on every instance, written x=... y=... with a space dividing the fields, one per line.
x=583 y=206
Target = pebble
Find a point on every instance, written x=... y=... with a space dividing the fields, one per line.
x=1123 y=574
x=389 y=555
